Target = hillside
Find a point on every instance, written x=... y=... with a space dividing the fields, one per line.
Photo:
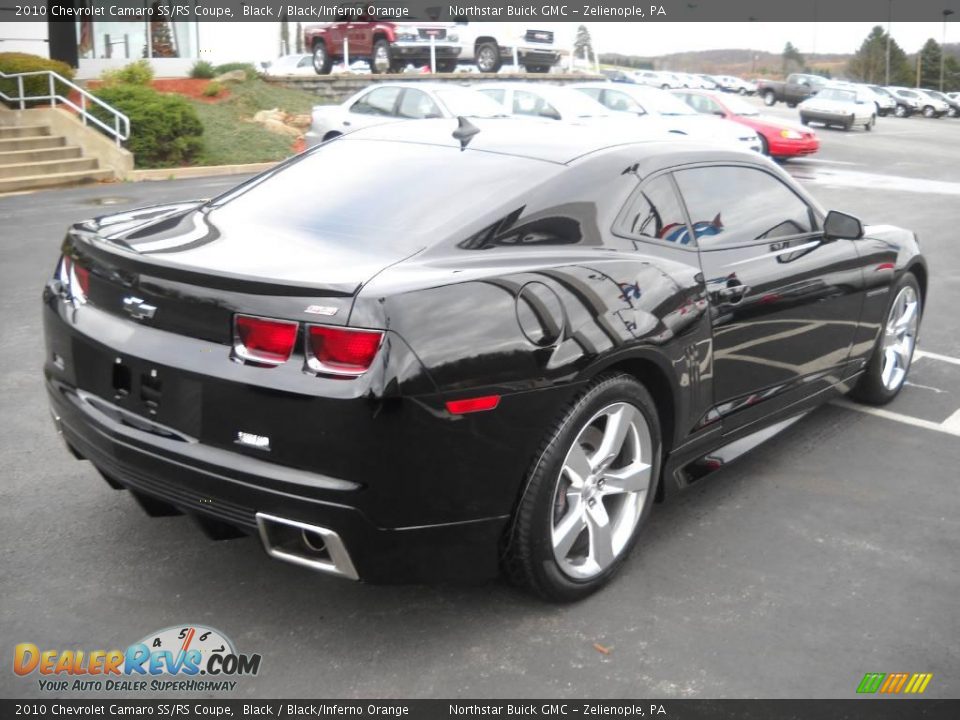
x=740 y=62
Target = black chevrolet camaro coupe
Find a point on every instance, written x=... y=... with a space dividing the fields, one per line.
x=425 y=350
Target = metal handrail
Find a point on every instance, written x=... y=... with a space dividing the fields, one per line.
x=121 y=123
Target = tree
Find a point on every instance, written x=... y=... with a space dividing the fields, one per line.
x=930 y=64
x=583 y=45
x=792 y=59
x=869 y=63
x=951 y=74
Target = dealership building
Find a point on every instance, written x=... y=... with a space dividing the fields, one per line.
x=95 y=40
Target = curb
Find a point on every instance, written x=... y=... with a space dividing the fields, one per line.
x=197 y=172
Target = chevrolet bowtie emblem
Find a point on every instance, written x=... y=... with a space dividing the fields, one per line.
x=139 y=310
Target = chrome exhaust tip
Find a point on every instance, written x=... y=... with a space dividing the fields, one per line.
x=310 y=546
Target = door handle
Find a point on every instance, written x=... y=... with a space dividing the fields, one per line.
x=732 y=295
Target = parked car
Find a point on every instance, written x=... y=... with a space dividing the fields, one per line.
x=675 y=114
x=387 y=46
x=709 y=82
x=390 y=102
x=953 y=104
x=553 y=102
x=489 y=45
x=729 y=83
x=928 y=106
x=907 y=105
x=301 y=64
x=840 y=106
x=797 y=88
x=778 y=139
x=653 y=78
x=884 y=103
x=892 y=104
x=429 y=350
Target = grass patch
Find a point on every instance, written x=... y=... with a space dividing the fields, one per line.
x=228 y=136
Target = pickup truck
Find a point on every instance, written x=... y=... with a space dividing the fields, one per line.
x=797 y=88
x=489 y=45
x=386 y=45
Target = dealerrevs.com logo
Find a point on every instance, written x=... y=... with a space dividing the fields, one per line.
x=180 y=658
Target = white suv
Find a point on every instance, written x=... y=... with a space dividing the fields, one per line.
x=489 y=45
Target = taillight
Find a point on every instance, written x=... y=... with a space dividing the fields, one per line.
x=262 y=340
x=341 y=351
x=74 y=279
x=472 y=405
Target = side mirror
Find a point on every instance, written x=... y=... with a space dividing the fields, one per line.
x=838 y=225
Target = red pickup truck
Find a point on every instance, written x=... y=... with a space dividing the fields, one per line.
x=385 y=45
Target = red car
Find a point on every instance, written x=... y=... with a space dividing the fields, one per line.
x=779 y=139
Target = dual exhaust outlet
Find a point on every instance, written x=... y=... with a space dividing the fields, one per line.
x=309 y=546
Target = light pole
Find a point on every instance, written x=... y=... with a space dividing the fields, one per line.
x=889 y=23
x=946 y=14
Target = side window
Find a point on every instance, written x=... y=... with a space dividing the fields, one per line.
x=526 y=103
x=654 y=213
x=416 y=104
x=591 y=92
x=494 y=93
x=730 y=205
x=620 y=101
x=380 y=101
x=305 y=61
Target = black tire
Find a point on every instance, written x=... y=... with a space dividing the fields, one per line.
x=446 y=66
x=804 y=120
x=791 y=105
x=868 y=126
x=870 y=388
x=487 y=57
x=665 y=86
x=900 y=111
x=528 y=555
x=769 y=98
x=538 y=69
x=321 y=58
x=929 y=112
x=381 y=61
x=848 y=124
x=742 y=91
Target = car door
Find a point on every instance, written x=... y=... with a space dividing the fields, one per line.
x=784 y=302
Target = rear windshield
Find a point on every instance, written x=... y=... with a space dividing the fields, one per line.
x=382 y=194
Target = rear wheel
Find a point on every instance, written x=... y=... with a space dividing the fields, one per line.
x=589 y=492
x=487 y=56
x=804 y=120
x=887 y=368
x=791 y=104
x=321 y=59
x=742 y=91
x=769 y=98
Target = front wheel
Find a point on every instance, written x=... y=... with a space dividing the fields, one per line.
x=900 y=111
x=589 y=492
x=887 y=368
x=928 y=111
x=869 y=125
x=742 y=91
x=769 y=98
x=446 y=66
x=380 y=61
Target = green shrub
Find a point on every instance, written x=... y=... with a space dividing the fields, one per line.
x=248 y=68
x=213 y=89
x=203 y=69
x=136 y=73
x=164 y=129
x=16 y=62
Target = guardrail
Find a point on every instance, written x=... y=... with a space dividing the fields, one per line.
x=121 y=123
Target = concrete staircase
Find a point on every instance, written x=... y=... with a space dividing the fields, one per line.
x=31 y=156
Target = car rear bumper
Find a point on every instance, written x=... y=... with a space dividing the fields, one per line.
x=195 y=480
x=421 y=51
x=413 y=492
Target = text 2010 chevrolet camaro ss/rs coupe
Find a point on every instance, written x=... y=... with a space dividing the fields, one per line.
x=430 y=350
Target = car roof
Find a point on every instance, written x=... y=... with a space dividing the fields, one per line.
x=548 y=140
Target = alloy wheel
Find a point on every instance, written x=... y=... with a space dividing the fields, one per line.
x=899 y=338
x=601 y=490
x=487 y=59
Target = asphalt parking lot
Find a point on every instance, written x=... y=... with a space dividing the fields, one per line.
x=828 y=552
